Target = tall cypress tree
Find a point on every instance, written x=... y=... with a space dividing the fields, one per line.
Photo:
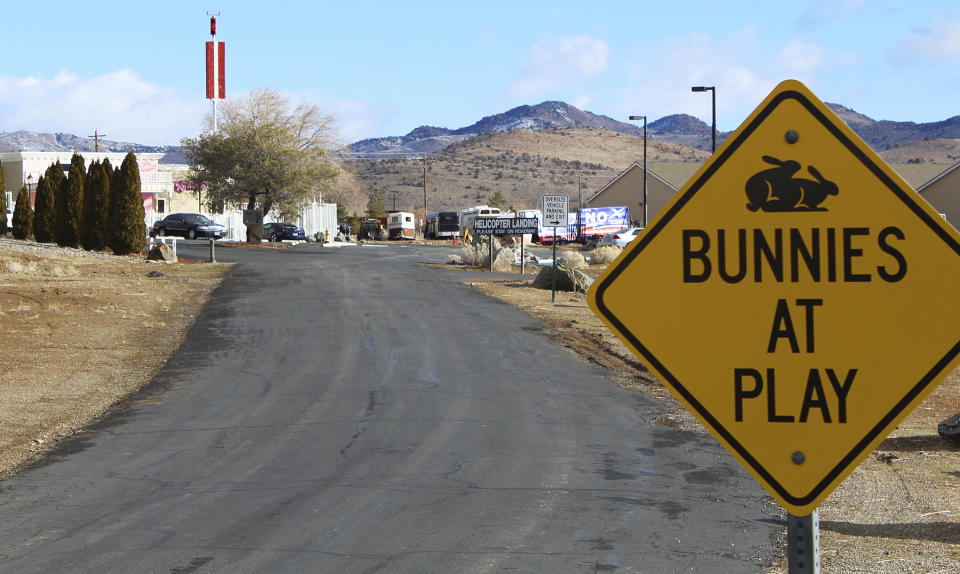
x=128 y=230
x=88 y=208
x=70 y=204
x=106 y=181
x=22 y=215
x=43 y=212
x=55 y=181
x=93 y=221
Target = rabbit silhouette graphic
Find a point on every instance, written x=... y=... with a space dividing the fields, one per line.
x=777 y=190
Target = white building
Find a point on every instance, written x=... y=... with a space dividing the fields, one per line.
x=25 y=168
x=156 y=187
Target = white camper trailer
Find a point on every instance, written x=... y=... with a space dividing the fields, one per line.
x=468 y=215
x=401 y=225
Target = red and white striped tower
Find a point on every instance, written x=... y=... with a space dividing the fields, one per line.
x=216 y=83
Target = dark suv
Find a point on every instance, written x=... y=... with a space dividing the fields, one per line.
x=279 y=231
x=189 y=225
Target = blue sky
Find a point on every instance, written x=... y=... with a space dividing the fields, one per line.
x=135 y=71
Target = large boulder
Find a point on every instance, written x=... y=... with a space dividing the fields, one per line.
x=503 y=260
x=605 y=255
x=568 y=279
x=950 y=428
x=477 y=254
x=161 y=252
x=572 y=259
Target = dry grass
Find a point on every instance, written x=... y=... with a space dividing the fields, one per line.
x=80 y=334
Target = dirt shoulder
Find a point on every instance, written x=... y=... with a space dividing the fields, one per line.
x=81 y=331
x=898 y=512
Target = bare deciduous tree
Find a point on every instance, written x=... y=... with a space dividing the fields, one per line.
x=265 y=155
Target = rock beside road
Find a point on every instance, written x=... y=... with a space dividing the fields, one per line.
x=568 y=279
x=950 y=428
x=162 y=252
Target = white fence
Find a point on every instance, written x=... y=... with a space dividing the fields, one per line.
x=318 y=218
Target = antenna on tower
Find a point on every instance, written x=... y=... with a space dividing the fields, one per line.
x=213 y=22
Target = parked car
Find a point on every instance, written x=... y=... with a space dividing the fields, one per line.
x=620 y=238
x=189 y=225
x=280 y=231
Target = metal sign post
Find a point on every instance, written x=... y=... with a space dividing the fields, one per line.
x=522 y=271
x=803 y=543
x=553 y=294
x=491 y=252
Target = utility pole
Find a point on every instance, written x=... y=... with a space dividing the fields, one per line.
x=425 y=212
x=96 y=140
x=580 y=206
x=644 y=118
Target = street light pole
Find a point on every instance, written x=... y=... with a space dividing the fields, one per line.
x=713 y=98
x=644 y=118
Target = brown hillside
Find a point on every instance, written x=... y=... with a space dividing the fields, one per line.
x=939 y=151
x=524 y=165
x=348 y=191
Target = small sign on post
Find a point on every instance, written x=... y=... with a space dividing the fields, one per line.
x=554 y=215
x=555 y=211
x=252 y=217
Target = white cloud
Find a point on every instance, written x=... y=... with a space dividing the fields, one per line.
x=119 y=104
x=582 y=101
x=937 y=43
x=661 y=85
x=743 y=65
x=802 y=58
x=354 y=119
x=558 y=62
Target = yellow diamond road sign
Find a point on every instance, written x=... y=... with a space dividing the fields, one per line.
x=796 y=295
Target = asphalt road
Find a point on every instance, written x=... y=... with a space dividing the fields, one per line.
x=353 y=410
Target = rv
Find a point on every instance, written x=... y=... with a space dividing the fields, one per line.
x=442 y=225
x=401 y=225
x=468 y=215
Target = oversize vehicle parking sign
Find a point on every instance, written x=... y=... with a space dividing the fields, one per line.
x=797 y=296
x=555 y=210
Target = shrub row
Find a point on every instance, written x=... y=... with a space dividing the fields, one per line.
x=96 y=208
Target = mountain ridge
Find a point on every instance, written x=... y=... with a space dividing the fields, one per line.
x=682 y=129
x=23 y=140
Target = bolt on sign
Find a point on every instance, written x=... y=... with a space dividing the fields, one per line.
x=797 y=296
